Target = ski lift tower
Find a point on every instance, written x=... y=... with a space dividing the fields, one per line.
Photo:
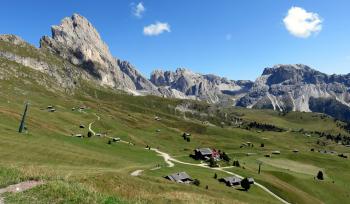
x=259 y=163
x=22 y=124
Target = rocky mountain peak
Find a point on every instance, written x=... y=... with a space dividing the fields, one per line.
x=186 y=72
x=292 y=74
x=182 y=70
x=293 y=87
x=76 y=40
x=83 y=40
x=208 y=87
x=292 y=68
x=157 y=72
x=159 y=78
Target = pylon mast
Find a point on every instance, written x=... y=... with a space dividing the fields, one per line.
x=22 y=124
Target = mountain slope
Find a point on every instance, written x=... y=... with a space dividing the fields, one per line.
x=90 y=170
x=210 y=88
x=290 y=87
x=77 y=41
x=67 y=76
x=76 y=52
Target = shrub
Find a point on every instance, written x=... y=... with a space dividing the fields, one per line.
x=196 y=182
x=215 y=176
x=212 y=162
x=236 y=163
x=225 y=157
x=89 y=134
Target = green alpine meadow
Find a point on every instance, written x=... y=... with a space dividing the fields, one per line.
x=78 y=125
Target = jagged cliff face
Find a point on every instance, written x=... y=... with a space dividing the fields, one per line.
x=184 y=83
x=142 y=85
x=14 y=49
x=295 y=87
x=77 y=41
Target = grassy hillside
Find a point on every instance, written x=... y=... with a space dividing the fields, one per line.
x=89 y=170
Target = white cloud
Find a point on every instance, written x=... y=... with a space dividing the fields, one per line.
x=138 y=10
x=301 y=23
x=156 y=29
x=228 y=36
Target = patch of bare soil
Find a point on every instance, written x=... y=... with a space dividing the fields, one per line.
x=19 y=187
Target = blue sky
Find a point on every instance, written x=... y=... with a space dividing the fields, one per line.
x=231 y=38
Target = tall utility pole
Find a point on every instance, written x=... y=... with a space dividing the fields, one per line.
x=22 y=124
x=259 y=163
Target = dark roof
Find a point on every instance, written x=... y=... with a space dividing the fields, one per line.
x=179 y=177
x=205 y=151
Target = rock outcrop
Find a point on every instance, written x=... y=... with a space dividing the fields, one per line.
x=14 y=39
x=185 y=84
x=14 y=49
x=77 y=41
x=291 y=87
x=142 y=85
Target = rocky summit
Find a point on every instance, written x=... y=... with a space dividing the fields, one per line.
x=77 y=41
x=78 y=52
x=298 y=88
x=186 y=84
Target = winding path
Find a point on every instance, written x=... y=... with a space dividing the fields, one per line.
x=169 y=160
x=136 y=173
x=94 y=133
x=90 y=124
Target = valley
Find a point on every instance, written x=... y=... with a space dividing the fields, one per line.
x=91 y=170
x=97 y=131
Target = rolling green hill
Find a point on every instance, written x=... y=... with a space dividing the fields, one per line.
x=89 y=170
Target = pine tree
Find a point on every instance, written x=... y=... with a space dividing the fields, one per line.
x=320 y=175
x=225 y=157
x=196 y=182
x=236 y=163
x=89 y=134
x=245 y=184
x=212 y=162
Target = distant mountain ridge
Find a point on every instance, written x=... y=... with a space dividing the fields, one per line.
x=290 y=87
x=81 y=53
x=210 y=88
